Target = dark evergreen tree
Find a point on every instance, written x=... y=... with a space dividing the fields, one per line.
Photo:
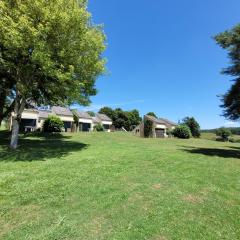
x=230 y=40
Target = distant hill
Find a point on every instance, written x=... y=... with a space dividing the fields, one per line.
x=234 y=130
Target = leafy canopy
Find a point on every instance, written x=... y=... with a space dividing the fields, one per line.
x=193 y=125
x=182 y=131
x=230 y=40
x=122 y=119
x=223 y=133
x=51 y=49
x=53 y=124
x=152 y=114
x=98 y=128
x=50 y=52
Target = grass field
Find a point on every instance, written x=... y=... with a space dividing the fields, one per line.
x=117 y=186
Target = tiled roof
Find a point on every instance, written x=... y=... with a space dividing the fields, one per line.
x=96 y=120
x=155 y=120
x=169 y=122
x=62 y=111
x=161 y=121
x=44 y=114
x=103 y=117
x=84 y=115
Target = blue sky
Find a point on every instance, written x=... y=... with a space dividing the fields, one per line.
x=162 y=58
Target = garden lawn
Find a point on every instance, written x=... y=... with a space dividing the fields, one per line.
x=118 y=186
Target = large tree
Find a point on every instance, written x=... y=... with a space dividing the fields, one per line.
x=152 y=114
x=193 y=126
x=108 y=111
x=230 y=40
x=122 y=119
x=51 y=51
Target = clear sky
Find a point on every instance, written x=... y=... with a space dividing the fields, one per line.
x=162 y=58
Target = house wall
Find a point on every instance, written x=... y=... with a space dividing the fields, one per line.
x=90 y=121
x=162 y=126
x=29 y=115
x=106 y=122
x=66 y=118
x=83 y=120
x=34 y=115
x=40 y=122
x=155 y=126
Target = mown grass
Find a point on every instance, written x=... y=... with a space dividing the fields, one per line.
x=118 y=186
x=213 y=137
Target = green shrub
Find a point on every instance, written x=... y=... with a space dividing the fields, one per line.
x=182 y=131
x=169 y=132
x=53 y=124
x=223 y=133
x=148 y=125
x=232 y=140
x=99 y=128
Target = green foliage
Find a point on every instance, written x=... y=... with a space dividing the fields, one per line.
x=234 y=130
x=169 y=132
x=148 y=125
x=75 y=117
x=99 y=128
x=53 y=124
x=122 y=119
x=182 y=131
x=152 y=114
x=193 y=125
x=230 y=40
x=51 y=51
x=91 y=113
x=223 y=133
x=109 y=112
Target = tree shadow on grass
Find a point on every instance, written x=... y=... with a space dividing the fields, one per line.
x=40 y=149
x=45 y=135
x=231 y=152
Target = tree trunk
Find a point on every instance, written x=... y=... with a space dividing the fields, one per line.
x=18 y=109
x=15 y=131
x=2 y=101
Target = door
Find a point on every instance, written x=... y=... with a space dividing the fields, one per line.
x=160 y=133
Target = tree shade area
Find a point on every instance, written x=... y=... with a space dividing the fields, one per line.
x=50 y=53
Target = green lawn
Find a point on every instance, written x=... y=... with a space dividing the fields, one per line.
x=117 y=186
